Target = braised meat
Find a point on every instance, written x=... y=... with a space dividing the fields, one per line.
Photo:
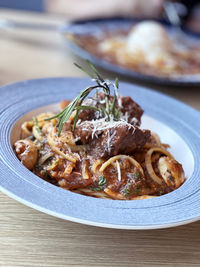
x=133 y=110
x=130 y=112
x=119 y=140
x=127 y=106
x=88 y=114
x=83 y=132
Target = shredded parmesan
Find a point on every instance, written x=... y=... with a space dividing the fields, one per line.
x=118 y=170
x=134 y=120
x=115 y=158
x=119 y=100
x=78 y=122
x=109 y=139
x=102 y=101
x=102 y=124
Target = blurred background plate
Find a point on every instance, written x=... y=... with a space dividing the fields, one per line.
x=96 y=27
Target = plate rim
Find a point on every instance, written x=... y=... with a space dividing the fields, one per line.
x=96 y=224
x=153 y=226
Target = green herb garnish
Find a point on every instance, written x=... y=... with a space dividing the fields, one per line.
x=36 y=125
x=137 y=176
x=171 y=178
x=101 y=184
x=129 y=192
x=110 y=109
x=56 y=162
x=126 y=192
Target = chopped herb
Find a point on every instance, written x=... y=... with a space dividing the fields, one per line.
x=126 y=191
x=56 y=163
x=101 y=184
x=96 y=188
x=102 y=180
x=137 y=176
x=36 y=125
x=129 y=192
x=171 y=178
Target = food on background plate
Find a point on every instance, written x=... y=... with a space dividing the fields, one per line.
x=95 y=146
x=146 y=47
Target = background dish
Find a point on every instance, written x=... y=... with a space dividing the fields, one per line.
x=97 y=27
x=178 y=207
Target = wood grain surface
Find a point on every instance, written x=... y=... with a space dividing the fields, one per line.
x=31 y=238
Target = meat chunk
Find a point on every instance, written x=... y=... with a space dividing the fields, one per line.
x=119 y=140
x=83 y=132
x=127 y=106
x=132 y=109
x=88 y=114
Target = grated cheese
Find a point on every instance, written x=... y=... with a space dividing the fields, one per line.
x=98 y=125
x=78 y=122
x=102 y=124
x=109 y=138
x=118 y=170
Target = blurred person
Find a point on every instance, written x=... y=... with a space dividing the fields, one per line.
x=151 y=9
x=193 y=22
x=89 y=9
x=191 y=19
x=81 y=9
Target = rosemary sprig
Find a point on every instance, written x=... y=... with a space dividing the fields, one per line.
x=77 y=113
x=108 y=111
x=64 y=115
x=113 y=107
x=99 y=80
x=36 y=125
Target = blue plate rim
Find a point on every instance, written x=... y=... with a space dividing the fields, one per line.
x=22 y=87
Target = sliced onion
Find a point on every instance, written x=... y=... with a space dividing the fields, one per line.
x=148 y=162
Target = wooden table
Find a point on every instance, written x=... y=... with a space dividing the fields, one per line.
x=31 y=238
